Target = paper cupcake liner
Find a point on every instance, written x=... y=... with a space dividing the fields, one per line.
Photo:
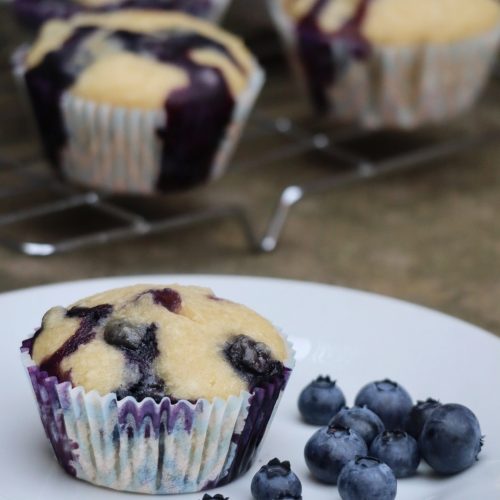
x=402 y=87
x=149 y=447
x=33 y=13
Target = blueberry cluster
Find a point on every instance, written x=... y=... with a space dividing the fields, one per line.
x=364 y=449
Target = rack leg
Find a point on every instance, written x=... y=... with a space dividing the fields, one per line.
x=364 y=170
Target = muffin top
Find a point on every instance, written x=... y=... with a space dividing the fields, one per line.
x=156 y=341
x=401 y=22
x=137 y=58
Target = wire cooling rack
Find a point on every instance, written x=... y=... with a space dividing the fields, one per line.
x=29 y=178
x=32 y=198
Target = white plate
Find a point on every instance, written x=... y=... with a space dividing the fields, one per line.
x=353 y=336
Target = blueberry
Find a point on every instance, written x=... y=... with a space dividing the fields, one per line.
x=276 y=481
x=418 y=415
x=320 y=401
x=149 y=385
x=451 y=440
x=366 y=478
x=388 y=400
x=398 y=450
x=329 y=449
x=360 y=419
x=122 y=333
x=140 y=348
x=218 y=496
x=252 y=360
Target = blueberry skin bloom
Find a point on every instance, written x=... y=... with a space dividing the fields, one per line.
x=388 y=400
x=451 y=440
x=366 y=478
x=419 y=414
x=276 y=481
x=362 y=420
x=320 y=401
x=398 y=450
x=329 y=449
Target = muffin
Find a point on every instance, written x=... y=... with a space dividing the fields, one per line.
x=139 y=101
x=156 y=389
x=390 y=63
x=33 y=13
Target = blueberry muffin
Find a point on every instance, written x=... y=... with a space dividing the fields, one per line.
x=139 y=101
x=33 y=13
x=156 y=389
x=391 y=62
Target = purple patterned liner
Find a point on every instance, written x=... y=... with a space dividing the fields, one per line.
x=151 y=447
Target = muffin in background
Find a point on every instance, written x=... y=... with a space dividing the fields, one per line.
x=139 y=101
x=390 y=63
x=33 y=13
x=156 y=389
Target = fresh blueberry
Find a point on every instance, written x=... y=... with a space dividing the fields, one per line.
x=366 y=478
x=122 y=333
x=360 y=419
x=320 y=401
x=398 y=450
x=252 y=360
x=329 y=449
x=217 y=496
x=418 y=415
x=451 y=439
x=388 y=400
x=276 y=481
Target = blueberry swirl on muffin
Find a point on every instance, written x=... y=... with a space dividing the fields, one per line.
x=150 y=341
x=143 y=60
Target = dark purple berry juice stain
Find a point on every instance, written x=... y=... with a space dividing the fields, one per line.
x=326 y=56
x=90 y=318
x=197 y=115
x=168 y=298
x=45 y=84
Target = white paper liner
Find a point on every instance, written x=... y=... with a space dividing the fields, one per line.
x=118 y=150
x=403 y=87
x=149 y=447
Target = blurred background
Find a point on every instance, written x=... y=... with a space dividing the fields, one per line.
x=427 y=233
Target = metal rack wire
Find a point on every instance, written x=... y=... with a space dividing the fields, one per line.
x=340 y=149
